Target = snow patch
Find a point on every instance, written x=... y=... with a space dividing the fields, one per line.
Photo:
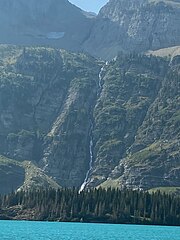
x=55 y=35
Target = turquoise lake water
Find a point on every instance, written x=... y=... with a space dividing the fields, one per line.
x=23 y=230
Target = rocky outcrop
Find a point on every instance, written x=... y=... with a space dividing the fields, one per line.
x=25 y=175
x=130 y=86
x=134 y=26
x=46 y=102
x=66 y=145
x=153 y=158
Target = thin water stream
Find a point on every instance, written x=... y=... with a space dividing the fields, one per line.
x=86 y=180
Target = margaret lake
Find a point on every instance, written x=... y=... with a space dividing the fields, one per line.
x=24 y=230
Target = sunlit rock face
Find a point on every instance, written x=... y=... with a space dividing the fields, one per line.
x=128 y=25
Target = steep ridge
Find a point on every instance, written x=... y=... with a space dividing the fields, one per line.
x=128 y=25
x=69 y=137
x=83 y=121
x=153 y=158
x=131 y=84
x=22 y=176
x=46 y=100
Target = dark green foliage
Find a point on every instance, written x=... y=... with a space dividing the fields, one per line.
x=46 y=99
x=52 y=103
x=99 y=205
x=131 y=85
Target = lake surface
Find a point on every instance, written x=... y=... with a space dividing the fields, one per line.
x=23 y=230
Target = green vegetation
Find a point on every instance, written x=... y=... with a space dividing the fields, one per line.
x=166 y=190
x=46 y=101
x=107 y=206
x=6 y=161
x=52 y=102
x=31 y=176
x=131 y=85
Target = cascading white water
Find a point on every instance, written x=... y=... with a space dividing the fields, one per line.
x=86 y=180
x=100 y=79
x=100 y=83
x=90 y=167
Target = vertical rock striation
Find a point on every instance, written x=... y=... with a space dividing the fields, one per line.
x=134 y=26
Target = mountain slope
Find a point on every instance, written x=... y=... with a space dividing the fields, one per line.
x=170 y=52
x=153 y=158
x=88 y=122
x=46 y=98
x=121 y=25
x=50 y=22
x=134 y=26
x=22 y=176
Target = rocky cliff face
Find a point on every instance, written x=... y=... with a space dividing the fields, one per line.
x=122 y=25
x=153 y=157
x=50 y=22
x=130 y=87
x=135 y=26
x=46 y=102
x=63 y=111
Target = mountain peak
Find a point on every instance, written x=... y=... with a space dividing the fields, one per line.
x=128 y=25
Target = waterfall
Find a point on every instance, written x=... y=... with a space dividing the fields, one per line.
x=100 y=82
x=100 y=78
x=86 y=180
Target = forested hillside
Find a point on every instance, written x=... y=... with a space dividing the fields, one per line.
x=105 y=206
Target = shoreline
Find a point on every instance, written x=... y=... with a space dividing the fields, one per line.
x=92 y=222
